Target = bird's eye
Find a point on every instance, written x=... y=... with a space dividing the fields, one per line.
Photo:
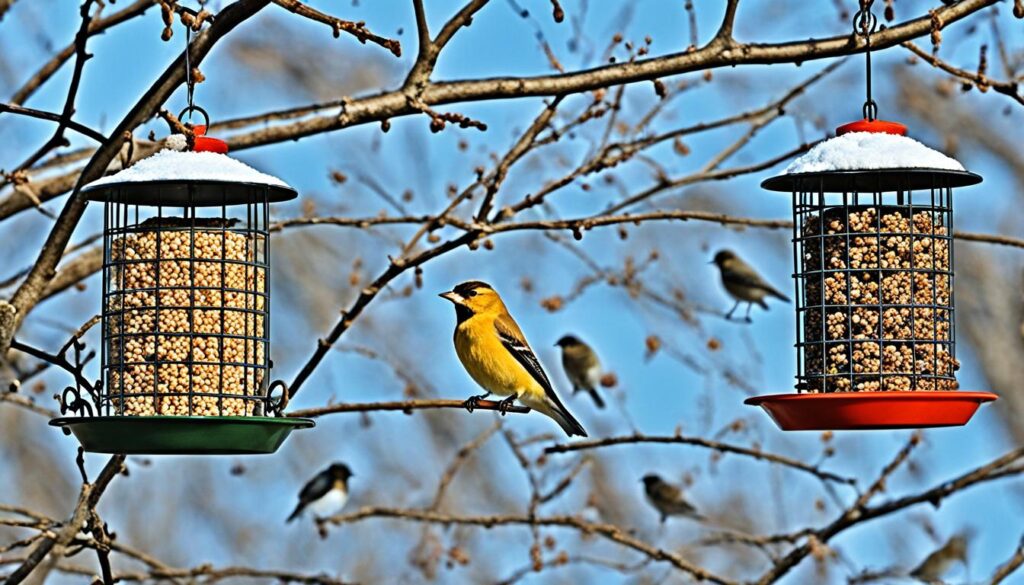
x=470 y=293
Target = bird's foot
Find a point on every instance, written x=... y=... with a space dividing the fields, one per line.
x=747 y=319
x=506 y=404
x=473 y=401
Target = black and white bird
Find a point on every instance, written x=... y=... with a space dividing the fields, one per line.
x=668 y=499
x=582 y=366
x=325 y=494
x=743 y=283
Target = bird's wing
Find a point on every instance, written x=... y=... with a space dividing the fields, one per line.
x=741 y=273
x=515 y=342
x=315 y=488
x=667 y=492
x=672 y=500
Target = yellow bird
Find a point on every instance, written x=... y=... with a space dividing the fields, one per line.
x=495 y=353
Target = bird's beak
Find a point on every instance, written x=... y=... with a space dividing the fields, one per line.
x=452 y=296
x=711 y=262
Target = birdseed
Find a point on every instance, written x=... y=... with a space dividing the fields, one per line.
x=882 y=281
x=166 y=353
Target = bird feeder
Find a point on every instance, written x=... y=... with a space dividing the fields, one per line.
x=185 y=311
x=873 y=254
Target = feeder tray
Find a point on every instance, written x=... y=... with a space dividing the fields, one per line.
x=181 y=435
x=853 y=411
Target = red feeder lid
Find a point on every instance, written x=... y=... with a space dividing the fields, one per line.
x=877 y=126
x=204 y=143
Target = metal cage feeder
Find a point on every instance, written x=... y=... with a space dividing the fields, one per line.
x=876 y=337
x=185 y=352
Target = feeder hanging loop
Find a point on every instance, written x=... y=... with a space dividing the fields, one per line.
x=864 y=25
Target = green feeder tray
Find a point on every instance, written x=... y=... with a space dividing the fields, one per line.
x=181 y=435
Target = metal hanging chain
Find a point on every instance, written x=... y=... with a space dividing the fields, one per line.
x=864 y=25
x=190 y=83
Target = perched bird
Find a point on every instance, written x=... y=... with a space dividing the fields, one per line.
x=495 y=353
x=581 y=367
x=325 y=494
x=934 y=568
x=743 y=283
x=668 y=499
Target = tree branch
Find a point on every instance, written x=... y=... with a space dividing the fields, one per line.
x=356 y=29
x=394 y=103
x=406 y=406
x=707 y=444
x=607 y=531
x=89 y=496
x=41 y=115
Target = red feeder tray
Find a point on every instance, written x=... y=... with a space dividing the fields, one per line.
x=871 y=410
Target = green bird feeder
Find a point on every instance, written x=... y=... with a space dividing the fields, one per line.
x=185 y=353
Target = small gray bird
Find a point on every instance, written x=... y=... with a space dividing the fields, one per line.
x=933 y=568
x=743 y=283
x=582 y=367
x=325 y=494
x=668 y=499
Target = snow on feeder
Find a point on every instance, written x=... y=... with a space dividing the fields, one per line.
x=186 y=309
x=873 y=255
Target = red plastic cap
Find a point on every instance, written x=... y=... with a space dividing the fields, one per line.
x=205 y=143
x=878 y=126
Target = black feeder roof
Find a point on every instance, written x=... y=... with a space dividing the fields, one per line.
x=187 y=192
x=870 y=180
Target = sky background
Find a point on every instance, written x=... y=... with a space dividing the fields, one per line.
x=394 y=458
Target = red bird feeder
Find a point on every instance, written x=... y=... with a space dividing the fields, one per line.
x=873 y=255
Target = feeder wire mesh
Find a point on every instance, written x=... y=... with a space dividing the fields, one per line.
x=185 y=313
x=874 y=282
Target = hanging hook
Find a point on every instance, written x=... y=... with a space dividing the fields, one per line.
x=189 y=82
x=864 y=25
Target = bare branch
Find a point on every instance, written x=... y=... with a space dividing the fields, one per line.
x=1010 y=566
x=406 y=406
x=707 y=444
x=608 y=531
x=95 y=27
x=356 y=29
x=394 y=104
x=41 y=115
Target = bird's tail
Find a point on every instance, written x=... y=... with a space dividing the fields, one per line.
x=560 y=414
x=295 y=513
x=598 y=401
x=775 y=293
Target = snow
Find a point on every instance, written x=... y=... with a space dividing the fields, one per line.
x=194 y=166
x=870 y=150
x=176 y=142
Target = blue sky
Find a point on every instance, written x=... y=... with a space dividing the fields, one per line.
x=660 y=395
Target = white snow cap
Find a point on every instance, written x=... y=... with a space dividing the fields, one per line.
x=858 y=151
x=168 y=165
